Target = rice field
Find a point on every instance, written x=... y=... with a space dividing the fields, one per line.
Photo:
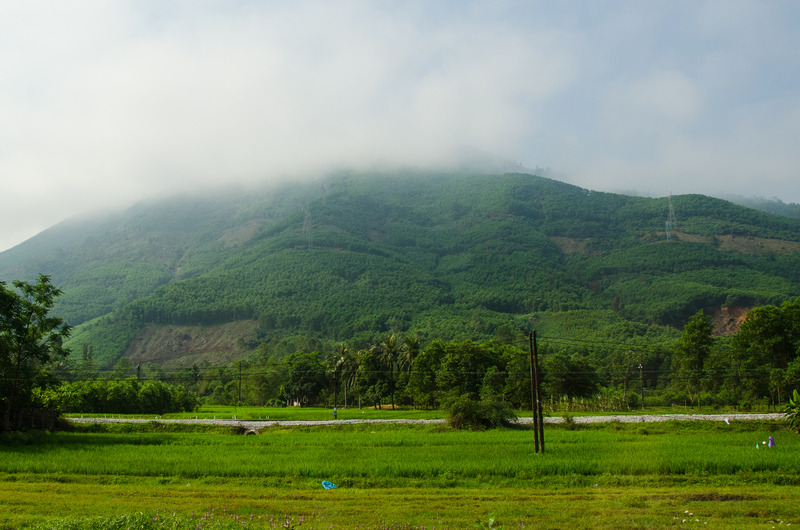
x=403 y=476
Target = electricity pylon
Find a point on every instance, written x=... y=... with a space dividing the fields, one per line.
x=672 y=224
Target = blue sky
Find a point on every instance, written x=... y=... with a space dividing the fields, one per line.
x=104 y=103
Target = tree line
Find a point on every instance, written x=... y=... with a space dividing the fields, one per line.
x=758 y=366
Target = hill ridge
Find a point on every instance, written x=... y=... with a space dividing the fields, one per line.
x=356 y=255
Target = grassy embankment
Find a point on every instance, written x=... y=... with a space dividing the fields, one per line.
x=400 y=476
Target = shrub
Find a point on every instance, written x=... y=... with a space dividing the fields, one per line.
x=123 y=397
x=489 y=412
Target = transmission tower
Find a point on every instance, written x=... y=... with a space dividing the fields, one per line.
x=671 y=223
x=307 y=226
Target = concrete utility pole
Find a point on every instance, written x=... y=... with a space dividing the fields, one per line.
x=536 y=397
x=335 y=393
x=641 y=382
x=538 y=390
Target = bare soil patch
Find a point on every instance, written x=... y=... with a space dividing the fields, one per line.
x=726 y=320
x=175 y=346
x=757 y=245
x=571 y=245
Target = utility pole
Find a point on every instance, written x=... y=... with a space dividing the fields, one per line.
x=335 y=393
x=534 y=398
x=239 y=400
x=641 y=382
x=538 y=391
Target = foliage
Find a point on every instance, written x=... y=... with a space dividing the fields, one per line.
x=766 y=350
x=569 y=375
x=306 y=378
x=450 y=256
x=596 y=375
x=461 y=260
x=488 y=412
x=792 y=411
x=30 y=338
x=691 y=352
x=123 y=397
x=488 y=525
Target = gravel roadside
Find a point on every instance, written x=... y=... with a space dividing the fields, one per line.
x=258 y=425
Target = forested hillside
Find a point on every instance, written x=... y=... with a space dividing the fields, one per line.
x=446 y=256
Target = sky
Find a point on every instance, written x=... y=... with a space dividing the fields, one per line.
x=105 y=103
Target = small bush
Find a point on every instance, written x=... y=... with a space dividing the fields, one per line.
x=489 y=412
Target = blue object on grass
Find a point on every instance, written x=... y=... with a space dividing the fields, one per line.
x=328 y=485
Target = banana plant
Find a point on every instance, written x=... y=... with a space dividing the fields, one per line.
x=792 y=412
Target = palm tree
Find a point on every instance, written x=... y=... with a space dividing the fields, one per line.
x=348 y=366
x=343 y=365
x=411 y=348
x=390 y=355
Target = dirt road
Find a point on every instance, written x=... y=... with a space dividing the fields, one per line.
x=258 y=425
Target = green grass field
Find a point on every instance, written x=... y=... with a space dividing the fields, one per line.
x=402 y=476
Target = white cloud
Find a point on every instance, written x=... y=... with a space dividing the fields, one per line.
x=104 y=103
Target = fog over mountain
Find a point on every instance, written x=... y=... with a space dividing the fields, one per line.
x=105 y=104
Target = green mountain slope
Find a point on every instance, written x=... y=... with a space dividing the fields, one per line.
x=444 y=255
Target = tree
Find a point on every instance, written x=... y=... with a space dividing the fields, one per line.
x=691 y=352
x=463 y=367
x=390 y=355
x=422 y=379
x=123 y=369
x=29 y=339
x=517 y=390
x=411 y=348
x=619 y=368
x=767 y=346
x=343 y=364
x=306 y=377
x=370 y=381
x=569 y=375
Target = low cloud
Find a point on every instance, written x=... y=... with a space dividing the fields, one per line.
x=102 y=104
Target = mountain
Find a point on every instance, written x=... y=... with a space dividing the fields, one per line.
x=357 y=255
x=773 y=205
